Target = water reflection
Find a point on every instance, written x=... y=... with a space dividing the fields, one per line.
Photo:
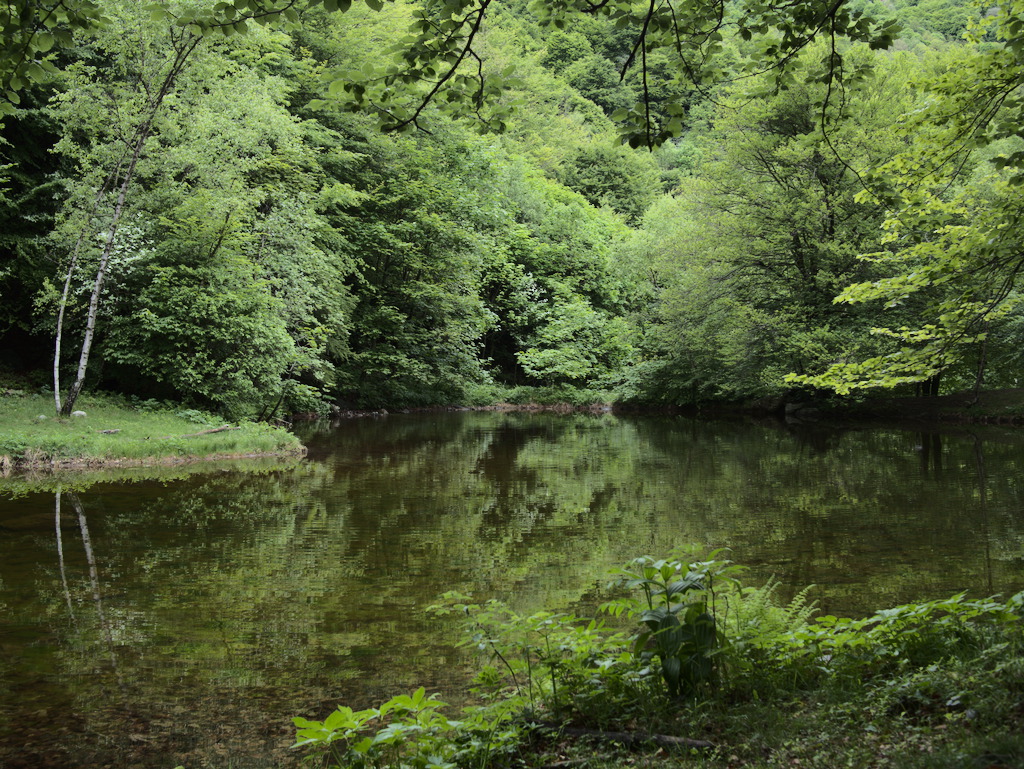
x=931 y=454
x=185 y=621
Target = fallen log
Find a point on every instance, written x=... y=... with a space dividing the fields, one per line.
x=220 y=429
x=631 y=739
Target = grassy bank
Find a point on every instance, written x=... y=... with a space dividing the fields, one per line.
x=118 y=432
x=699 y=671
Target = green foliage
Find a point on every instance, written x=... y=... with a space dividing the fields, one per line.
x=417 y=314
x=32 y=31
x=906 y=674
x=416 y=734
x=197 y=417
x=368 y=269
x=748 y=255
x=555 y=395
x=563 y=49
x=574 y=342
x=597 y=79
x=677 y=610
x=217 y=290
x=14 y=446
x=553 y=665
x=623 y=181
x=388 y=271
x=951 y=245
x=214 y=335
x=755 y=614
x=916 y=634
x=440 y=55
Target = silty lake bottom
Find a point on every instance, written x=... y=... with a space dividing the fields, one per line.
x=185 y=620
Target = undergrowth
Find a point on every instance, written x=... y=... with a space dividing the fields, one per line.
x=699 y=670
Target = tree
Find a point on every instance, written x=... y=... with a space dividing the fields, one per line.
x=29 y=198
x=613 y=177
x=412 y=239
x=153 y=71
x=953 y=242
x=574 y=343
x=34 y=31
x=30 y=31
x=222 y=192
x=216 y=335
x=757 y=244
x=442 y=54
x=387 y=297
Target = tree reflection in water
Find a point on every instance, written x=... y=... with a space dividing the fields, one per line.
x=199 y=614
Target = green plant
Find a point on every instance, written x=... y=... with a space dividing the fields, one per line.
x=677 y=610
x=343 y=734
x=410 y=731
x=915 y=634
x=554 y=664
x=14 y=446
x=197 y=417
x=754 y=615
x=944 y=676
x=754 y=620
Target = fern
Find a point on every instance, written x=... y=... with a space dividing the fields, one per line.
x=754 y=615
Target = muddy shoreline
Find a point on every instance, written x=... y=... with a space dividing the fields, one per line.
x=9 y=466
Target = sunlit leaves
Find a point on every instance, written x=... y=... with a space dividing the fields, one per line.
x=438 y=60
x=960 y=265
x=953 y=243
x=30 y=32
x=753 y=249
x=406 y=725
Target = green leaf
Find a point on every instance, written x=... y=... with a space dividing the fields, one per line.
x=44 y=42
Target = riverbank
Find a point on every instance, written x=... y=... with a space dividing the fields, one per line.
x=990 y=407
x=118 y=432
x=1003 y=407
x=713 y=680
x=114 y=432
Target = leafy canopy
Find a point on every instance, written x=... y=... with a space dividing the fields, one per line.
x=956 y=197
x=438 y=60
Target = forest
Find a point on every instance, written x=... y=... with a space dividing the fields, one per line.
x=270 y=206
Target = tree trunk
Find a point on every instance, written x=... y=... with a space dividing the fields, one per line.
x=60 y=328
x=58 y=335
x=101 y=275
x=184 y=46
x=929 y=388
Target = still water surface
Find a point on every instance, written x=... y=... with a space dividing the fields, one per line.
x=185 y=620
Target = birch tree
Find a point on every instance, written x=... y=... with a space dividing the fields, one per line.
x=121 y=116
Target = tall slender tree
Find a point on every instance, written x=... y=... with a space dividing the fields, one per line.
x=153 y=66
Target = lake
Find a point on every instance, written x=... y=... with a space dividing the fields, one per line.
x=185 y=619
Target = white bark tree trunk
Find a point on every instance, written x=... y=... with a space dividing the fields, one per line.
x=184 y=44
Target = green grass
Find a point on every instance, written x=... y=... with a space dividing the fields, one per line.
x=31 y=436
